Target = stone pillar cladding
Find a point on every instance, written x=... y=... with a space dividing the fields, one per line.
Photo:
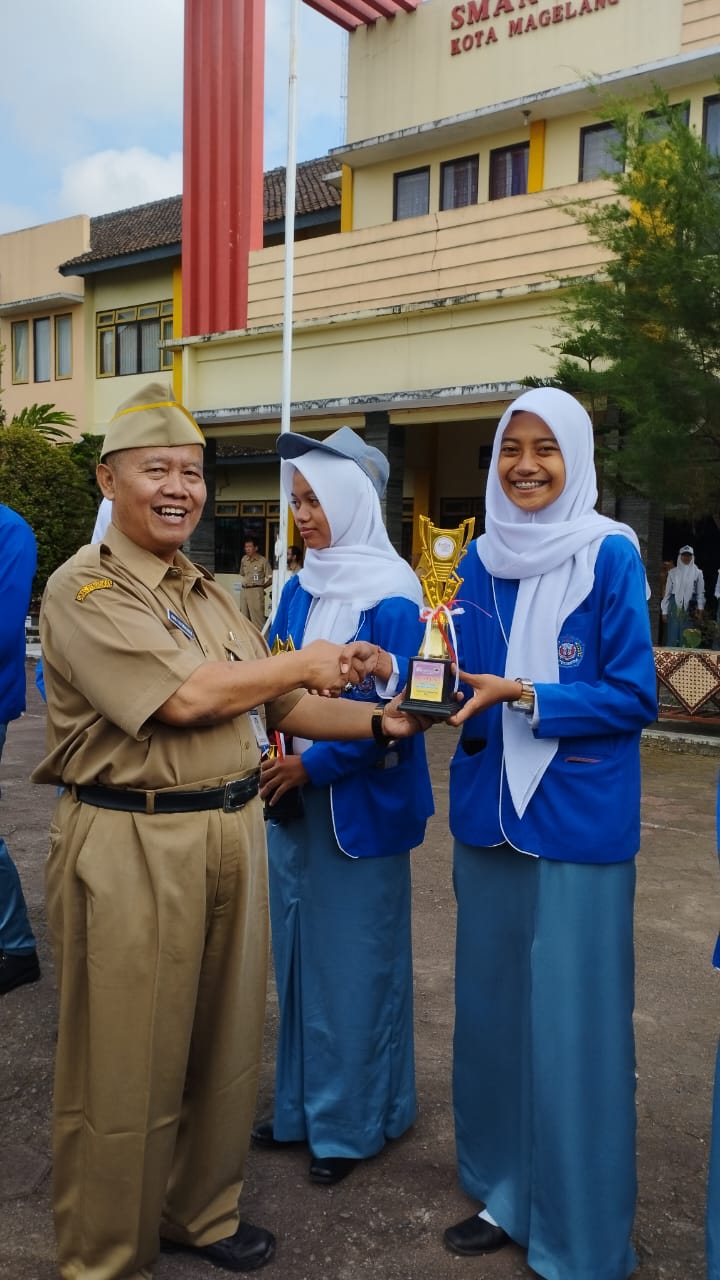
x=389 y=440
x=201 y=546
x=222 y=218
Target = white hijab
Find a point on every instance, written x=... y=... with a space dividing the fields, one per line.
x=684 y=580
x=360 y=567
x=552 y=552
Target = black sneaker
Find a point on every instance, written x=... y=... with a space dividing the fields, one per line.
x=15 y=969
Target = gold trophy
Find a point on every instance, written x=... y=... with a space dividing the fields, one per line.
x=430 y=682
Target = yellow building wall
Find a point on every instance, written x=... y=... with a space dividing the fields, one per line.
x=28 y=270
x=700 y=23
x=406 y=73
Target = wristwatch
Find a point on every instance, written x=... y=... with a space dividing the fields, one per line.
x=378 y=733
x=526 y=701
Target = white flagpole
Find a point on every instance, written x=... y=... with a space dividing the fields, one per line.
x=280 y=573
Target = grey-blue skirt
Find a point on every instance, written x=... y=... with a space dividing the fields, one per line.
x=345 y=1072
x=544 y=1057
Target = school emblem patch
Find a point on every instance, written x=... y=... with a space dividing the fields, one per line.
x=570 y=651
x=98 y=585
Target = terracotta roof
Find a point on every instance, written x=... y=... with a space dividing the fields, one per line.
x=153 y=226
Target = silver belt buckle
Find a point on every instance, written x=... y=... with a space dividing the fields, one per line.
x=233 y=791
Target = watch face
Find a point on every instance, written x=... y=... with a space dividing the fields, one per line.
x=443 y=547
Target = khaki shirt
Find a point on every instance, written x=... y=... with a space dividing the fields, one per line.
x=121 y=630
x=255 y=571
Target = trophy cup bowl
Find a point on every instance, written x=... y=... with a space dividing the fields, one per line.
x=430 y=681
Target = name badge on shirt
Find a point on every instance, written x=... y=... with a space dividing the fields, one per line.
x=181 y=624
x=258 y=729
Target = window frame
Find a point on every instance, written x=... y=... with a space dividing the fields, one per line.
x=474 y=162
x=14 y=327
x=65 y=315
x=605 y=126
x=38 y=348
x=107 y=326
x=410 y=173
x=712 y=100
x=523 y=147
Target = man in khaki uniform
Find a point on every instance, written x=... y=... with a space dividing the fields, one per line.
x=156 y=876
x=255 y=576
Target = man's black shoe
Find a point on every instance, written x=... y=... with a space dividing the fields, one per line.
x=474 y=1236
x=250 y=1248
x=327 y=1170
x=15 y=969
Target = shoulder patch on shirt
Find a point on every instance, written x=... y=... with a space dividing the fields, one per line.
x=98 y=585
x=570 y=651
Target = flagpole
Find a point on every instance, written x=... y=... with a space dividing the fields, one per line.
x=280 y=573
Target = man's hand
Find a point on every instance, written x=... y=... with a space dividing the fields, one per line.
x=330 y=668
x=280 y=775
x=487 y=691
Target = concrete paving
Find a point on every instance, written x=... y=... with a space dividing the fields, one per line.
x=386 y=1221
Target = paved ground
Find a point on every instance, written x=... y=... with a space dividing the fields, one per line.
x=386 y=1221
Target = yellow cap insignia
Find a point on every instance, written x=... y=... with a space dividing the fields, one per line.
x=97 y=585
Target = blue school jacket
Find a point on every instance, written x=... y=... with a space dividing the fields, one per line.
x=587 y=805
x=380 y=799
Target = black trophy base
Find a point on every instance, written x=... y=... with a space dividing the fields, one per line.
x=430 y=688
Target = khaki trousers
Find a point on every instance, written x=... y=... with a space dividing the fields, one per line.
x=159 y=925
x=252 y=605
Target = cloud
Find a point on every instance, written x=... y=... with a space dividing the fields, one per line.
x=110 y=180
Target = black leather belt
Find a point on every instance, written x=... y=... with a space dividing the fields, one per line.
x=230 y=797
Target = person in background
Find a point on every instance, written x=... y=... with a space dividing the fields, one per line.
x=255 y=576
x=684 y=599
x=340 y=866
x=545 y=814
x=156 y=879
x=294 y=560
x=18 y=555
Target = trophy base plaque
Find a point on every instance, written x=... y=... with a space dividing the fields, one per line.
x=430 y=686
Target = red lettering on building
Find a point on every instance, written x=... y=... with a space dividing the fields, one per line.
x=531 y=24
x=544 y=18
x=570 y=10
x=585 y=7
x=515 y=27
x=557 y=13
x=454 y=46
x=599 y=4
x=478 y=12
x=457 y=18
x=490 y=36
x=467 y=43
x=503 y=6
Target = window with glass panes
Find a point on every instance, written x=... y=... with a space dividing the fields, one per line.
x=128 y=339
x=598 y=151
x=19 y=341
x=711 y=124
x=41 y=350
x=63 y=346
x=509 y=171
x=459 y=182
x=411 y=193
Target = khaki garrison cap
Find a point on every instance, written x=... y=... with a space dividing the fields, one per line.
x=151 y=417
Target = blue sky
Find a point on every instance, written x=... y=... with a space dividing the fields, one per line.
x=91 y=102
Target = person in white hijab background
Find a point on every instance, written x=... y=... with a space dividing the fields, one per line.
x=684 y=599
x=545 y=814
x=340 y=867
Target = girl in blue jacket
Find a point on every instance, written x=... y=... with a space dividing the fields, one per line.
x=545 y=811
x=340 y=871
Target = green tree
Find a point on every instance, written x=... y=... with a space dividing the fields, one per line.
x=644 y=336
x=44 y=484
x=47 y=419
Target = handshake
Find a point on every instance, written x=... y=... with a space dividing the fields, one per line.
x=332 y=669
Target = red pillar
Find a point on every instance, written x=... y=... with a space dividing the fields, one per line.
x=222 y=160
